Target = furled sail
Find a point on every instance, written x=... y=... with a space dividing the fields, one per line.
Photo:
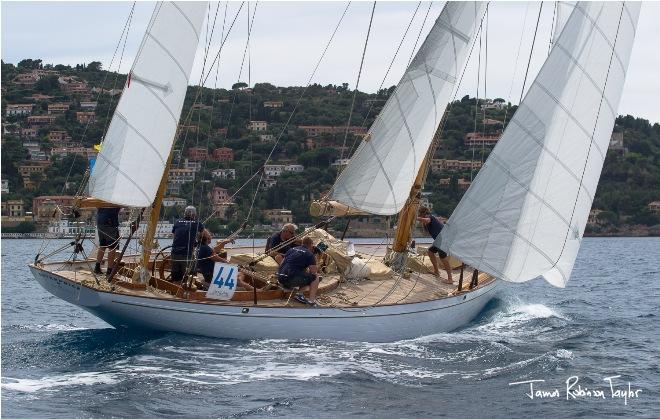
x=380 y=174
x=524 y=214
x=135 y=151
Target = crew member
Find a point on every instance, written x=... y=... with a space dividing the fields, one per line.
x=186 y=233
x=433 y=225
x=287 y=232
x=298 y=269
x=107 y=226
x=206 y=258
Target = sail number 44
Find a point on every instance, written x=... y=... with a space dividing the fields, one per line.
x=224 y=281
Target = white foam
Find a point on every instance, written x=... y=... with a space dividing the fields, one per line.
x=29 y=385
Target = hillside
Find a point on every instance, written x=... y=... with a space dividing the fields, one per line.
x=48 y=155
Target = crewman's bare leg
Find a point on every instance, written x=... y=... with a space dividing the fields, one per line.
x=447 y=266
x=434 y=262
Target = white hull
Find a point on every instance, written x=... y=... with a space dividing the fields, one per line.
x=385 y=323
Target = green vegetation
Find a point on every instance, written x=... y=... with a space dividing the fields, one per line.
x=629 y=182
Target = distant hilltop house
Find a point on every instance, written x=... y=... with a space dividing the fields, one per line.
x=198 y=153
x=654 y=207
x=478 y=139
x=58 y=108
x=201 y=107
x=279 y=216
x=41 y=120
x=29 y=132
x=111 y=92
x=274 y=170
x=223 y=154
x=174 y=201
x=85 y=117
x=5 y=186
x=339 y=163
x=88 y=106
x=195 y=166
x=41 y=97
x=258 y=126
x=273 y=104
x=224 y=173
x=19 y=109
x=494 y=104
x=72 y=84
x=463 y=184
x=59 y=136
x=316 y=130
x=219 y=195
x=440 y=165
x=616 y=142
x=26 y=79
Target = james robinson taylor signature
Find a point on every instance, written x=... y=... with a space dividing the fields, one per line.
x=575 y=391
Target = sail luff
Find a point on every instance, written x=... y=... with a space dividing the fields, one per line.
x=130 y=165
x=379 y=176
x=524 y=214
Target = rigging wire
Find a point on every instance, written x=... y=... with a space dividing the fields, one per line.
x=552 y=27
x=357 y=83
x=515 y=66
x=531 y=51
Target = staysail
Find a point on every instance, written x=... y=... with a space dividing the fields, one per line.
x=131 y=163
x=380 y=174
x=525 y=213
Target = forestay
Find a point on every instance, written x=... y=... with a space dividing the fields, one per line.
x=382 y=171
x=132 y=161
x=525 y=213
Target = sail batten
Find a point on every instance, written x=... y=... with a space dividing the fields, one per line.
x=380 y=174
x=525 y=213
x=137 y=144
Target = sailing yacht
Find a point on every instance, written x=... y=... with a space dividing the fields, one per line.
x=523 y=216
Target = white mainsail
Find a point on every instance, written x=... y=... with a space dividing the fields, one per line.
x=562 y=13
x=382 y=171
x=525 y=213
x=131 y=163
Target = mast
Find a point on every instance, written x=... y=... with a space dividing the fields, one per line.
x=408 y=214
x=143 y=274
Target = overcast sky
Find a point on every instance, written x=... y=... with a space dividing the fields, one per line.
x=288 y=38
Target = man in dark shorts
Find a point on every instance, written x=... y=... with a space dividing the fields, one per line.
x=298 y=269
x=107 y=226
x=433 y=225
x=287 y=232
x=186 y=233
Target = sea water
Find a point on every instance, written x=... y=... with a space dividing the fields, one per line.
x=590 y=349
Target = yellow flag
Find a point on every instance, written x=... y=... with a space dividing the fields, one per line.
x=97 y=148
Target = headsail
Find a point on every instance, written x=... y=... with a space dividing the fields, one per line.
x=525 y=213
x=381 y=172
x=138 y=142
x=563 y=12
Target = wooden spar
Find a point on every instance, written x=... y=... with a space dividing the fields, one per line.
x=408 y=214
x=148 y=240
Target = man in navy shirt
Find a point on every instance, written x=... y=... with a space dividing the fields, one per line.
x=433 y=226
x=107 y=227
x=186 y=232
x=298 y=269
x=287 y=232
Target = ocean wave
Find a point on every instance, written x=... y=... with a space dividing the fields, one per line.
x=49 y=327
x=29 y=385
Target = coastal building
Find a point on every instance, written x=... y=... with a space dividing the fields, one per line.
x=195 y=166
x=198 y=153
x=493 y=105
x=41 y=120
x=5 y=186
x=174 y=201
x=616 y=142
x=19 y=109
x=223 y=154
x=44 y=207
x=26 y=79
x=340 y=163
x=316 y=130
x=59 y=136
x=593 y=220
x=163 y=229
x=219 y=195
x=60 y=152
x=85 y=117
x=179 y=176
x=654 y=207
x=28 y=168
x=275 y=104
x=201 y=107
x=442 y=165
x=295 y=168
x=183 y=129
x=71 y=228
x=88 y=106
x=269 y=182
x=41 y=97
x=258 y=126
x=273 y=170
x=58 y=108
x=29 y=132
x=463 y=184
x=224 y=173
x=478 y=140
x=267 y=138
x=13 y=208
x=278 y=217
